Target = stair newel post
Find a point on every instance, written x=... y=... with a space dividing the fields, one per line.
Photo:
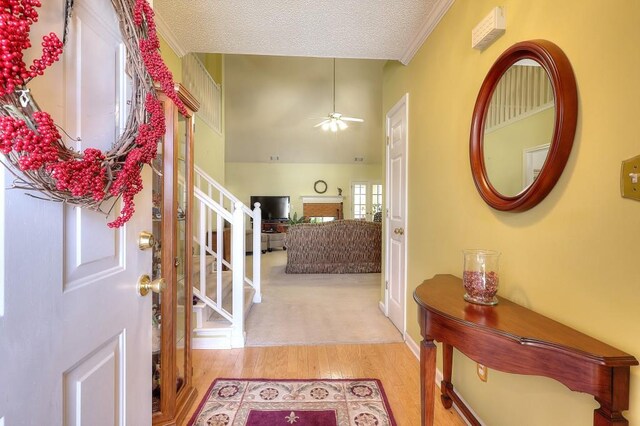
x=238 y=266
x=257 y=252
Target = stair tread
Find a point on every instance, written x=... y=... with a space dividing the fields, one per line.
x=216 y=321
x=221 y=323
x=248 y=302
x=212 y=283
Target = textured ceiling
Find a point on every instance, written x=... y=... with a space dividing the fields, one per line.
x=272 y=104
x=319 y=28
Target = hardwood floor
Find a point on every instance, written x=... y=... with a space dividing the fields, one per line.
x=392 y=363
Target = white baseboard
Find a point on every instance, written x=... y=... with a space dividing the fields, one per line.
x=413 y=346
x=210 y=343
x=415 y=349
x=211 y=338
x=381 y=306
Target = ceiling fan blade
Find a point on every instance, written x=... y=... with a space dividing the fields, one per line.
x=321 y=123
x=359 y=120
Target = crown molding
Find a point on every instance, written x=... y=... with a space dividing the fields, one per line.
x=439 y=9
x=165 y=32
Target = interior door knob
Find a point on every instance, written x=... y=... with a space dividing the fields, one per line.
x=145 y=240
x=398 y=231
x=145 y=285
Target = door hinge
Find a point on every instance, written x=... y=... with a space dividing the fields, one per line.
x=387 y=140
x=386 y=285
x=387 y=212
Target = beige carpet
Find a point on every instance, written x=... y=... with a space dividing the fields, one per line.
x=306 y=309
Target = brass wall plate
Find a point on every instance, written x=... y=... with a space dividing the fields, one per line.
x=630 y=178
x=482 y=371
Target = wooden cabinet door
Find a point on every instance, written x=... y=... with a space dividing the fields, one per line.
x=173 y=261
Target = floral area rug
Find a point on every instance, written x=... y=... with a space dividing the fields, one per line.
x=323 y=402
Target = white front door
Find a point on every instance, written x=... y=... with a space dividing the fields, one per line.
x=75 y=338
x=397 y=121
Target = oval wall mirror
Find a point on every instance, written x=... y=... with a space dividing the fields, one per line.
x=523 y=125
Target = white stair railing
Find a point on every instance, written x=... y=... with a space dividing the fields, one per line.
x=217 y=223
x=227 y=200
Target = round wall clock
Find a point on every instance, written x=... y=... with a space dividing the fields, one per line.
x=320 y=186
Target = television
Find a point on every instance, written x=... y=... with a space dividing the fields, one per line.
x=274 y=207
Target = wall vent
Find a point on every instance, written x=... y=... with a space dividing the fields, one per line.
x=489 y=29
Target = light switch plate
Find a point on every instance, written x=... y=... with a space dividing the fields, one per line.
x=630 y=178
x=482 y=372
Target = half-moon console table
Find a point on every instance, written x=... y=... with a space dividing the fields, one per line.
x=511 y=338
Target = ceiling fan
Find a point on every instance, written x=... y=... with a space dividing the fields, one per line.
x=336 y=121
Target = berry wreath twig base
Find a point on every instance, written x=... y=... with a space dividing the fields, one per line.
x=32 y=145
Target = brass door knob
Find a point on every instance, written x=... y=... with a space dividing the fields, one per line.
x=145 y=240
x=145 y=285
x=398 y=231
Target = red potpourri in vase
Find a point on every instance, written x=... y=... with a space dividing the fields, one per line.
x=480 y=276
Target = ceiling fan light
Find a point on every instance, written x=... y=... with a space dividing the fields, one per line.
x=335 y=120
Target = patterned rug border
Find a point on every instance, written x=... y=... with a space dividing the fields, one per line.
x=205 y=397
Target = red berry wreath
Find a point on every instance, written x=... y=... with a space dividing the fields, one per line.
x=30 y=140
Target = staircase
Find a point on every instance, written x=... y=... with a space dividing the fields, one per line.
x=224 y=288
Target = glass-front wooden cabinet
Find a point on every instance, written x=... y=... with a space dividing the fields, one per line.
x=172 y=191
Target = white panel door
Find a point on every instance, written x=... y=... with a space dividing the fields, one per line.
x=75 y=336
x=397 y=119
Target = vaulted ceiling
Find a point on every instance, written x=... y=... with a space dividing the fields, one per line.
x=278 y=80
x=274 y=102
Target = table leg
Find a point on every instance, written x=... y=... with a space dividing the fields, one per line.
x=604 y=417
x=611 y=407
x=447 y=366
x=427 y=380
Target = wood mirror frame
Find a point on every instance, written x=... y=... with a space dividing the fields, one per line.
x=559 y=71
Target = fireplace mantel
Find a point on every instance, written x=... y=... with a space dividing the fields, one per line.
x=321 y=199
x=315 y=206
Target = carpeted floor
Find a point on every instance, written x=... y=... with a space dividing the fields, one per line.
x=322 y=402
x=306 y=309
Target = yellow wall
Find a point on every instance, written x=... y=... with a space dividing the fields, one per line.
x=209 y=147
x=208 y=144
x=171 y=59
x=573 y=257
x=213 y=62
x=296 y=180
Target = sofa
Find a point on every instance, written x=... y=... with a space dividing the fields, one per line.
x=248 y=243
x=338 y=247
x=275 y=240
